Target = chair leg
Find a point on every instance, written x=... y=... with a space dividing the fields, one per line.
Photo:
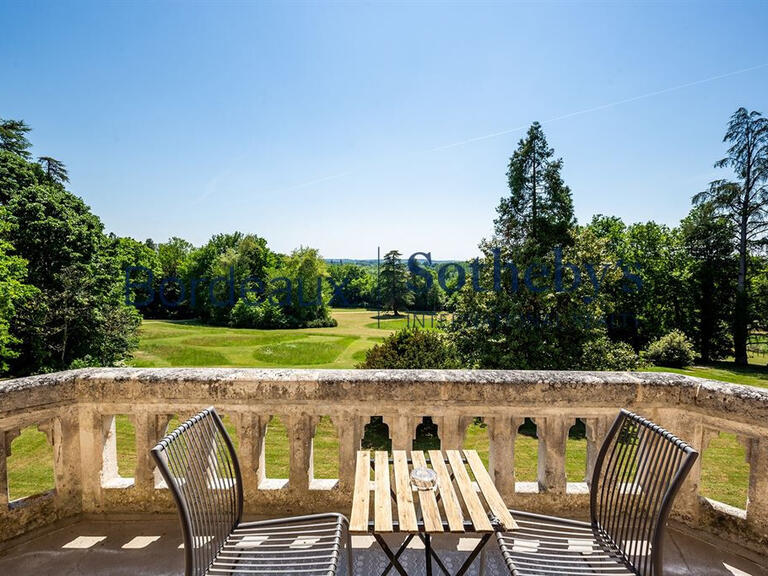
x=481 y=571
x=349 y=554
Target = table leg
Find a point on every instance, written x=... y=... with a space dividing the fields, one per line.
x=393 y=560
x=399 y=552
x=435 y=557
x=428 y=553
x=473 y=555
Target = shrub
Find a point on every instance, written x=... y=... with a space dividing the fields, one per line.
x=410 y=348
x=322 y=323
x=265 y=315
x=605 y=354
x=673 y=349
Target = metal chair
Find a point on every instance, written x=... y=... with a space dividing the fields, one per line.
x=638 y=472
x=200 y=467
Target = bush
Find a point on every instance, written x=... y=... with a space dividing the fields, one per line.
x=674 y=350
x=265 y=315
x=605 y=354
x=322 y=323
x=410 y=348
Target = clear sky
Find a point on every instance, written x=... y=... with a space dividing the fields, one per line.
x=350 y=125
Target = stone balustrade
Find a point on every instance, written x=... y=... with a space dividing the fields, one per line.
x=77 y=410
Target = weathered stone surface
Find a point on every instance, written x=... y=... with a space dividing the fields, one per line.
x=76 y=408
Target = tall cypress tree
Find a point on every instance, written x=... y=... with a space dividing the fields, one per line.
x=393 y=281
x=538 y=213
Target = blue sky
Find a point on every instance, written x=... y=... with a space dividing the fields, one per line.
x=350 y=125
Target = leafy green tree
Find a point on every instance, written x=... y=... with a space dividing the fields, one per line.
x=136 y=262
x=171 y=256
x=745 y=202
x=657 y=255
x=306 y=271
x=538 y=214
x=535 y=324
x=393 y=284
x=55 y=170
x=13 y=137
x=14 y=291
x=68 y=261
x=351 y=285
x=16 y=174
x=708 y=239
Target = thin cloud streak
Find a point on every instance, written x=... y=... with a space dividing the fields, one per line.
x=602 y=107
x=213 y=187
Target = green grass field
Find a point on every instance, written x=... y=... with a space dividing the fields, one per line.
x=166 y=343
x=30 y=468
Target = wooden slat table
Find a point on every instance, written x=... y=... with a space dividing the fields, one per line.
x=457 y=506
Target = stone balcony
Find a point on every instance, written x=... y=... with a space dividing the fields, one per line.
x=93 y=521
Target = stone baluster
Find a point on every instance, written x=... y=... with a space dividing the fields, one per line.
x=150 y=428
x=6 y=438
x=301 y=429
x=93 y=438
x=597 y=430
x=62 y=434
x=452 y=429
x=691 y=430
x=757 y=496
x=251 y=433
x=502 y=433
x=350 y=429
x=553 y=433
x=402 y=430
x=109 y=472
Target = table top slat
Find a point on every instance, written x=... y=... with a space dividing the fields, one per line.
x=406 y=512
x=489 y=491
x=451 y=503
x=429 y=509
x=358 y=521
x=475 y=507
x=382 y=517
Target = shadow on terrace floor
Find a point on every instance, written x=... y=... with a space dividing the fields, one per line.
x=152 y=548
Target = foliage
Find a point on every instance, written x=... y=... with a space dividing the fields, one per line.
x=744 y=202
x=673 y=349
x=68 y=308
x=13 y=292
x=393 y=284
x=604 y=354
x=13 y=137
x=538 y=213
x=263 y=315
x=412 y=349
x=352 y=286
x=708 y=240
x=54 y=170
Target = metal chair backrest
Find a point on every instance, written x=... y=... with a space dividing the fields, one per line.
x=638 y=472
x=199 y=465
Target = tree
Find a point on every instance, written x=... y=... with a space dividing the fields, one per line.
x=69 y=262
x=16 y=174
x=538 y=214
x=708 y=239
x=745 y=202
x=13 y=137
x=54 y=169
x=14 y=292
x=393 y=283
x=306 y=271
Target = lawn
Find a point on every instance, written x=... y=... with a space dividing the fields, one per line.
x=30 y=468
x=165 y=343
